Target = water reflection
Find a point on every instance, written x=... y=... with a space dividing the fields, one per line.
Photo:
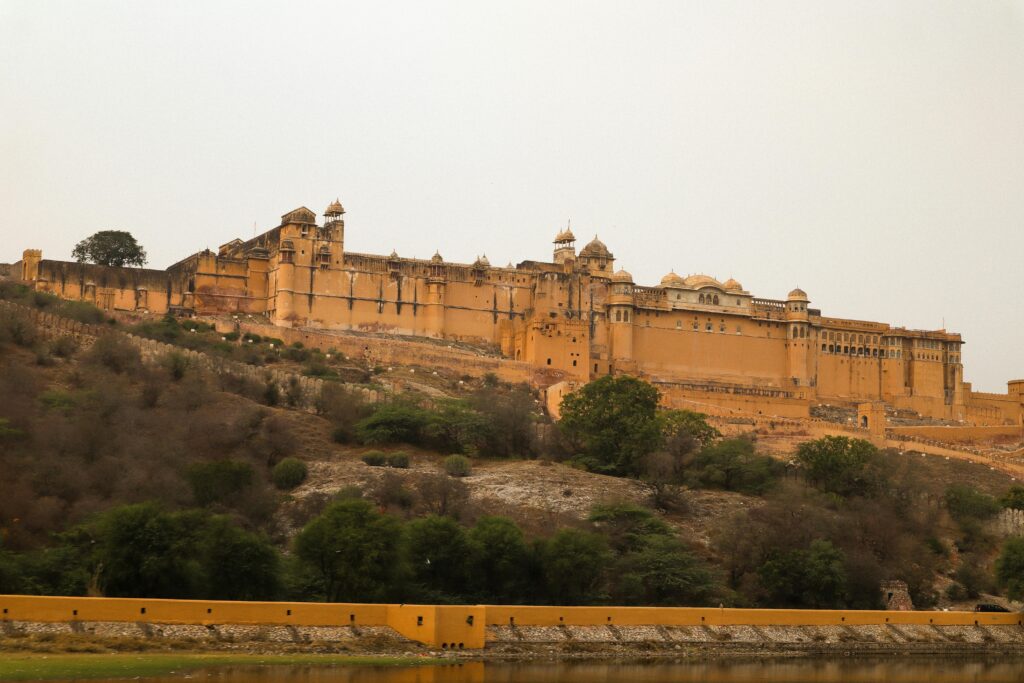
x=798 y=671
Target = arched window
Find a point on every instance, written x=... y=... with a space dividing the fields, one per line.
x=716 y=299
x=700 y=299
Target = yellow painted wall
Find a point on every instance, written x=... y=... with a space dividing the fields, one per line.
x=451 y=625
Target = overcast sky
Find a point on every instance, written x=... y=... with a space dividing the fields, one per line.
x=871 y=153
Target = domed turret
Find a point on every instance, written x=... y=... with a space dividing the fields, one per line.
x=335 y=209
x=622 y=276
x=482 y=262
x=673 y=279
x=595 y=249
x=732 y=286
x=564 y=237
x=702 y=280
x=436 y=258
x=798 y=295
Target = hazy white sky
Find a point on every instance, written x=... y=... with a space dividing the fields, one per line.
x=870 y=152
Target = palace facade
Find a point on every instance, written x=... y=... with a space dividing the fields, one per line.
x=702 y=341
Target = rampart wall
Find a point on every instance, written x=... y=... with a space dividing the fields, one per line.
x=377 y=350
x=957 y=434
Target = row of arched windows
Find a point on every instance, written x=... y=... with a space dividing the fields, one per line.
x=709 y=299
x=861 y=351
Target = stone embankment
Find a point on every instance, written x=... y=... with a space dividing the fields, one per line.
x=513 y=642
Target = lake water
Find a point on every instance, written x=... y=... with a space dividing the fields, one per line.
x=935 y=670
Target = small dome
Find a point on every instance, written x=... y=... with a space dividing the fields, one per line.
x=622 y=276
x=595 y=248
x=436 y=258
x=673 y=279
x=335 y=209
x=798 y=295
x=394 y=255
x=565 y=236
x=732 y=286
x=482 y=261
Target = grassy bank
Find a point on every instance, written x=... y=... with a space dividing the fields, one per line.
x=21 y=667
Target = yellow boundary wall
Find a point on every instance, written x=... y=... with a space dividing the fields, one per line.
x=462 y=626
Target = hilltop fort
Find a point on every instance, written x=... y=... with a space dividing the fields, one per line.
x=706 y=344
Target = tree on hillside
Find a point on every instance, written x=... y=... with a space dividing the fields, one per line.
x=574 y=564
x=613 y=422
x=110 y=248
x=1010 y=568
x=353 y=550
x=840 y=465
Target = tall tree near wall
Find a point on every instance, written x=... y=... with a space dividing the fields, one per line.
x=110 y=248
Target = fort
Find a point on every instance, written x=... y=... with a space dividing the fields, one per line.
x=706 y=344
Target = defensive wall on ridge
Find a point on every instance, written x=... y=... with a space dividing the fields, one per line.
x=463 y=626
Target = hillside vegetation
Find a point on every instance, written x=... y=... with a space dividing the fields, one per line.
x=127 y=478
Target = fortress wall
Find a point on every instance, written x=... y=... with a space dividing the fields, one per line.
x=957 y=434
x=993 y=409
x=673 y=353
x=724 y=403
x=461 y=626
x=385 y=351
x=849 y=377
x=111 y=288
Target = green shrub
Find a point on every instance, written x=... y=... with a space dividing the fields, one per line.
x=375 y=459
x=1014 y=498
x=271 y=394
x=399 y=460
x=115 y=353
x=394 y=423
x=249 y=337
x=317 y=368
x=1010 y=568
x=841 y=465
x=63 y=347
x=17 y=327
x=55 y=399
x=733 y=465
x=343 y=434
x=965 y=503
x=289 y=473
x=217 y=480
x=296 y=345
x=176 y=364
x=81 y=311
x=457 y=466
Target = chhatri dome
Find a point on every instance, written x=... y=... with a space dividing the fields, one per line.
x=798 y=295
x=436 y=258
x=334 y=209
x=732 y=286
x=565 y=236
